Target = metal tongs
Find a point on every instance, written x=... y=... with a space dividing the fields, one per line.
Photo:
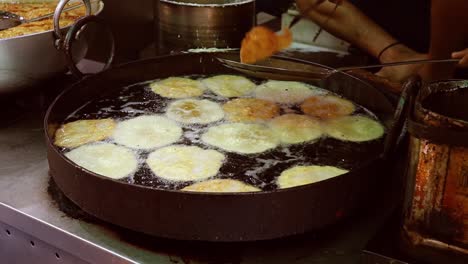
x=310 y=70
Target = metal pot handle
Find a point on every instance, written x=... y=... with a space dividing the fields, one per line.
x=404 y=109
x=59 y=39
x=73 y=34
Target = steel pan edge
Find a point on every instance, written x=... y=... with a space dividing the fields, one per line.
x=27 y=60
x=206 y=217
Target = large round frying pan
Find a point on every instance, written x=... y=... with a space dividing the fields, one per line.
x=209 y=216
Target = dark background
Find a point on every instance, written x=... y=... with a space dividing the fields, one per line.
x=133 y=22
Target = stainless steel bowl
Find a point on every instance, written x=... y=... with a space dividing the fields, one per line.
x=27 y=60
x=186 y=24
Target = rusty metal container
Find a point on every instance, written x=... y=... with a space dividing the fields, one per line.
x=436 y=205
x=189 y=24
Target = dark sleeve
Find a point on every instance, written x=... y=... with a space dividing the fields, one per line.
x=273 y=7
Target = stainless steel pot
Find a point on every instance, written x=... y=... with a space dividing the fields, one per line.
x=186 y=24
x=27 y=60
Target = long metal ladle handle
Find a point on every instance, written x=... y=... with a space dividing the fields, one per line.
x=399 y=63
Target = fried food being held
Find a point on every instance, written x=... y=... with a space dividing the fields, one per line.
x=260 y=43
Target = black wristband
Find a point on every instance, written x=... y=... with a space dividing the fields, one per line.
x=386 y=48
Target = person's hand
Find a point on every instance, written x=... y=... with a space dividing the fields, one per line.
x=319 y=2
x=311 y=4
x=463 y=56
x=307 y=6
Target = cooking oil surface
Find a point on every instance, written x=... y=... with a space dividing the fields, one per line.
x=260 y=170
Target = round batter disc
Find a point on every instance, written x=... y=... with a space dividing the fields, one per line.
x=302 y=175
x=250 y=110
x=327 y=106
x=185 y=163
x=241 y=138
x=221 y=186
x=294 y=129
x=106 y=159
x=147 y=132
x=82 y=132
x=354 y=128
x=192 y=111
x=285 y=92
x=229 y=85
x=178 y=87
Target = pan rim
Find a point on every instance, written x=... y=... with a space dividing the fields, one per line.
x=189 y=4
x=424 y=94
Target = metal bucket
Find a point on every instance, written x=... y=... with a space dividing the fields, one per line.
x=436 y=216
x=188 y=24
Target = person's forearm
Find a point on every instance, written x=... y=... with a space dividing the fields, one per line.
x=449 y=32
x=350 y=24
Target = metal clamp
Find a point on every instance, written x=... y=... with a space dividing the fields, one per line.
x=404 y=108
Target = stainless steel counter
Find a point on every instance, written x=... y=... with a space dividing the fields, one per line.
x=23 y=185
